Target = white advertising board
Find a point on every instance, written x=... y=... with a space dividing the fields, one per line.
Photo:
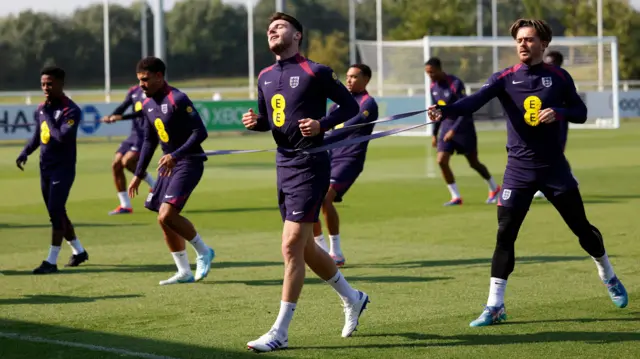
x=21 y=115
x=600 y=104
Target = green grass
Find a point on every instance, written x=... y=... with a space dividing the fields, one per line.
x=425 y=267
x=241 y=83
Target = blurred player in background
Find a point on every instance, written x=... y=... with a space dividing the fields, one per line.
x=292 y=102
x=537 y=98
x=55 y=133
x=346 y=162
x=455 y=134
x=555 y=58
x=127 y=154
x=171 y=119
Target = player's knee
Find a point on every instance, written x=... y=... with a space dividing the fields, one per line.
x=165 y=215
x=58 y=219
x=505 y=238
x=509 y=221
x=128 y=161
x=443 y=161
x=474 y=162
x=117 y=166
x=293 y=245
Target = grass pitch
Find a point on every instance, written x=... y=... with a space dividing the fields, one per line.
x=425 y=267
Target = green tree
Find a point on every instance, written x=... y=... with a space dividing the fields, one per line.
x=331 y=50
x=207 y=38
x=419 y=18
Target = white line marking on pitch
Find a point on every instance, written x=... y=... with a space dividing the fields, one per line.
x=29 y=338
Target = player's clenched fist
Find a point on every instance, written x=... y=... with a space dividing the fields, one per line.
x=309 y=127
x=548 y=115
x=111 y=119
x=250 y=119
x=435 y=114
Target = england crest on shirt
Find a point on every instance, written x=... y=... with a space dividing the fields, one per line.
x=506 y=194
x=164 y=108
x=446 y=93
x=546 y=82
x=57 y=114
x=294 y=81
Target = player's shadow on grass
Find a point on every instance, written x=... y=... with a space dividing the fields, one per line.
x=614 y=196
x=491 y=339
x=41 y=340
x=469 y=262
x=575 y=320
x=61 y=299
x=316 y=280
x=140 y=268
x=232 y=210
x=77 y=225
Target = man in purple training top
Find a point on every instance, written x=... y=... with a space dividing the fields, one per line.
x=455 y=134
x=537 y=98
x=56 y=131
x=171 y=119
x=127 y=154
x=292 y=102
x=346 y=162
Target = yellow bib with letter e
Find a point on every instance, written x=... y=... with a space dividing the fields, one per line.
x=532 y=106
x=279 y=104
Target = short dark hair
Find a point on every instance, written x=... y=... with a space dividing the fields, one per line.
x=557 y=57
x=151 y=64
x=434 y=62
x=543 y=30
x=54 y=71
x=366 y=70
x=291 y=20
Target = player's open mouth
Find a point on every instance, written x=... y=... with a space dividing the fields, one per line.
x=273 y=38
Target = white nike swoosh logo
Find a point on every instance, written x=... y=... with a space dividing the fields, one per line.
x=294 y=212
x=168 y=196
x=266 y=83
x=55 y=182
x=516 y=82
x=150 y=110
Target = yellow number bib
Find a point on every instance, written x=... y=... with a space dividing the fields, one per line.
x=164 y=136
x=138 y=106
x=532 y=105
x=279 y=104
x=45 y=135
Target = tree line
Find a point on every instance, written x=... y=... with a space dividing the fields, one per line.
x=208 y=39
